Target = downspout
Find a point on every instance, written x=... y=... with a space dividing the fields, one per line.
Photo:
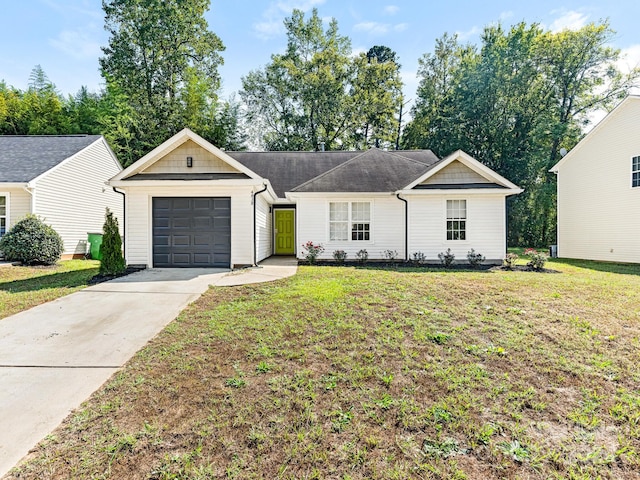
x=406 y=227
x=255 y=230
x=124 y=221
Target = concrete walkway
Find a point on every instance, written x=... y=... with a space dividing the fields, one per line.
x=55 y=355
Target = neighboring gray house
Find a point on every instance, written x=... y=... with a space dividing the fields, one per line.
x=190 y=204
x=62 y=179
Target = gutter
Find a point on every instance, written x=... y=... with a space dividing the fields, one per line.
x=406 y=227
x=124 y=221
x=255 y=230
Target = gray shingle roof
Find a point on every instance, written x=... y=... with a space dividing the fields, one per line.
x=23 y=158
x=372 y=171
x=338 y=171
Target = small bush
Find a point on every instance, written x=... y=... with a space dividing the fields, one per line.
x=340 y=256
x=312 y=251
x=510 y=260
x=418 y=258
x=362 y=256
x=474 y=258
x=447 y=258
x=390 y=255
x=32 y=242
x=536 y=259
x=112 y=262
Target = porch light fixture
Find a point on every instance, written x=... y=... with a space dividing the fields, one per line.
x=189 y=162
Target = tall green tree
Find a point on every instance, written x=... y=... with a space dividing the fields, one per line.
x=318 y=93
x=513 y=104
x=160 y=55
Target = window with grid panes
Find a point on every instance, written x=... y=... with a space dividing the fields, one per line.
x=635 y=171
x=456 y=219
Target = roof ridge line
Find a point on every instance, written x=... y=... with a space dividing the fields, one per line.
x=330 y=170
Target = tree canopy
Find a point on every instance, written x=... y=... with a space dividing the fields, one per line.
x=513 y=104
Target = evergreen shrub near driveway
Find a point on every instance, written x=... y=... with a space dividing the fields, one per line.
x=32 y=242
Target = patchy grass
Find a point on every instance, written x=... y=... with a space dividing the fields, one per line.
x=386 y=374
x=25 y=287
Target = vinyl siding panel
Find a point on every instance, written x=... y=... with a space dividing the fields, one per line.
x=387 y=226
x=456 y=172
x=597 y=207
x=72 y=197
x=264 y=226
x=19 y=204
x=138 y=249
x=485 y=228
x=203 y=161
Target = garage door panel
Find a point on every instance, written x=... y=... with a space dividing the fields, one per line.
x=191 y=232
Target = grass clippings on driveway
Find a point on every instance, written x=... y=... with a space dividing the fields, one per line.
x=23 y=287
x=363 y=373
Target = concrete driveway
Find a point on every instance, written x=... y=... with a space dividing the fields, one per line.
x=54 y=356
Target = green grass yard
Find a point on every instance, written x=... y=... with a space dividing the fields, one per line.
x=351 y=373
x=24 y=287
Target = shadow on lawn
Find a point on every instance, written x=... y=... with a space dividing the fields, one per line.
x=621 y=268
x=55 y=280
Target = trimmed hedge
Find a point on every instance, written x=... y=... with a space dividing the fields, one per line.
x=32 y=242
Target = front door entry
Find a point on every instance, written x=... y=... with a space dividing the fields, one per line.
x=285 y=232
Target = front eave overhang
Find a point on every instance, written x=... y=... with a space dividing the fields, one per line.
x=186 y=183
x=14 y=185
x=462 y=191
x=294 y=195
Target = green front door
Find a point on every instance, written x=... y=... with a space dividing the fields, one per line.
x=285 y=232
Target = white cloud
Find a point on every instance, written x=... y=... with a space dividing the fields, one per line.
x=272 y=18
x=391 y=9
x=81 y=44
x=505 y=16
x=568 y=20
x=377 y=28
x=473 y=31
x=85 y=8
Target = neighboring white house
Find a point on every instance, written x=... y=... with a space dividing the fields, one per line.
x=599 y=190
x=190 y=204
x=62 y=179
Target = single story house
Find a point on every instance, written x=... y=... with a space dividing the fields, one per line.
x=599 y=190
x=190 y=204
x=62 y=179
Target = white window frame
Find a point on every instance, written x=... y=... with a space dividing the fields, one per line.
x=6 y=212
x=635 y=171
x=457 y=218
x=351 y=221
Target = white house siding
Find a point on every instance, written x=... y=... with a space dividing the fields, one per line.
x=485 y=228
x=456 y=172
x=264 y=228
x=204 y=161
x=19 y=204
x=598 y=210
x=72 y=197
x=139 y=230
x=387 y=225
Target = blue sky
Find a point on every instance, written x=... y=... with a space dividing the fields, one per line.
x=65 y=36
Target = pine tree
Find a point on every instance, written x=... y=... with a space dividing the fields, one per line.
x=112 y=262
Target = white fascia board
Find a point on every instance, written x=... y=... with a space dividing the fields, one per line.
x=186 y=183
x=4 y=185
x=462 y=191
x=33 y=181
x=295 y=195
x=470 y=163
x=174 y=142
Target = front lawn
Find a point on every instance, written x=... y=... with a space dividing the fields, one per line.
x=354 y=373
x=24 y=287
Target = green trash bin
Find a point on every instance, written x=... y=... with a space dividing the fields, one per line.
x=95 y=240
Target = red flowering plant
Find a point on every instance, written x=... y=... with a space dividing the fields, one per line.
x=312 y=251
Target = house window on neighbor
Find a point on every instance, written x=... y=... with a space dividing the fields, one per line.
x=349 y=215
x=360 y=221
x=635 y=171
x=3 y=215
x=456 y=219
